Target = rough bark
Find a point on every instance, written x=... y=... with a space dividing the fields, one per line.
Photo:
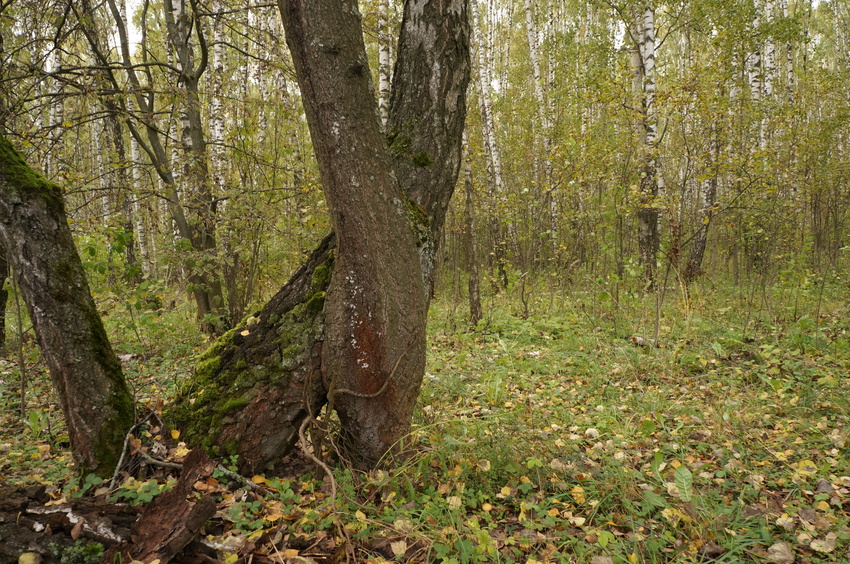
x=172 y=520
x=373 y=355
x=4 y=298
x=475 y=311
x=428 y=110
x=348 y=328
x=254 y=387
x=85 y=372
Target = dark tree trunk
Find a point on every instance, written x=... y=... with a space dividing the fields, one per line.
x=85 y=373
x=475 y=311
x=349 y=327
x=708 y=199
x=254 y=387
x=4 y=297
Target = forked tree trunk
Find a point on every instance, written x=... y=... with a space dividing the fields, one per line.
x=349 y=327
x=85 y=372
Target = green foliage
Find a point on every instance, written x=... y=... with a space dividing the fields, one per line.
x=136 y=492
x=81 y=552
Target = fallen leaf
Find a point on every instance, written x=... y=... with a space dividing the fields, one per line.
x=786 y=522
x=805 y=467
x=781 y=553
x=78 y=528
x=826 y=545
x=578 y=494
x=399 y=547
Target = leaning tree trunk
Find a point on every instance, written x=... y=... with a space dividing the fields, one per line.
x=4 y=298
x=84 y=370
x=349 y=327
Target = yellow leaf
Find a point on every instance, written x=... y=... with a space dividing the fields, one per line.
x=823 y=506
x=675 y=463
x=673 y=515
x=486 y=507
x=505 y=491
x=175 y=434
x=578 y=494
x=289 y=553
x=258 y=479
x=403 y=526
x=806 y=467
x=483 y=465
x=553 y=512
x=245 y=333
x=577 y=521
x=360 y=515
x=454 y=502
x=633 y=558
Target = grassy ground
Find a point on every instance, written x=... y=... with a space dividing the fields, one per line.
x=557 y=432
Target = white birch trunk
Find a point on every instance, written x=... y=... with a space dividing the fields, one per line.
x=483 y=82
x=652 y=182
x=542 y=133
x=384 y=60
x=769 y=52
x=101 y=149
x=217 y=157
x=789 y=58
x=485 y=101
x=55 y=167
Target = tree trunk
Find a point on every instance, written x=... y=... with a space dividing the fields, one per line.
x=384 y=60
x=200 y=233
x=4 y=298
x=708 y=198
x=652 y=182
x=349 y=326
x=491 y=147
x=475 y=311
x=85 y=373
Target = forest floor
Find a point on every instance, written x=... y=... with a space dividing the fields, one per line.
x=556 y=432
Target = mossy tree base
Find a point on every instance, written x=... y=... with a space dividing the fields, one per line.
x=254 y=387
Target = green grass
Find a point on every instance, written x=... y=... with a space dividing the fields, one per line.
x=555 y=438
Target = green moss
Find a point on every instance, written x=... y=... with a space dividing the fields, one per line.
x=221 y=389
x=233 y=404
x=419 y=222
x=401 y=147
x=24 y=178
x=321 y=278
x=421 y=159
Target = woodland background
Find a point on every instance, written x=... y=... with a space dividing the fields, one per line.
x=643 y=268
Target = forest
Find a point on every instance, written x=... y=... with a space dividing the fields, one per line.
x=452 y=281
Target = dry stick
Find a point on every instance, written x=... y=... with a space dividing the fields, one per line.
x=124 y=450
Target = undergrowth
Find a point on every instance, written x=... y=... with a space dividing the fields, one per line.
x=560 y=430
